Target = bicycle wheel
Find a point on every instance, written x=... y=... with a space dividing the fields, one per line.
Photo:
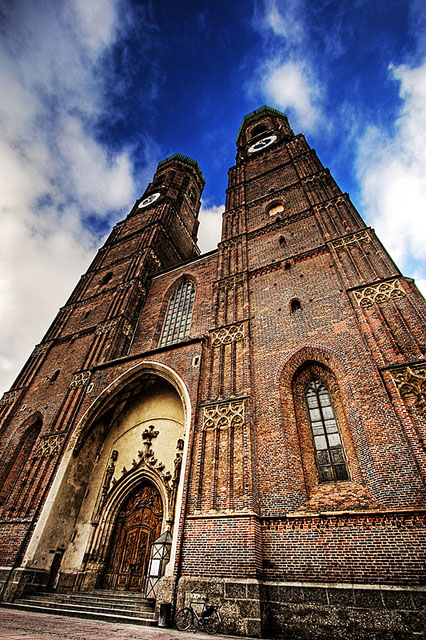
x=212 y=622
x=184 y=619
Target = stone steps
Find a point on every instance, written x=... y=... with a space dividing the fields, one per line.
x=109 y=606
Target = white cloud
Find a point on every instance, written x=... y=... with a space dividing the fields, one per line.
x=289 y=87
x=54 y=171
x=210 y=227
x=391 y=170
x=286 y=76
x=286 y=21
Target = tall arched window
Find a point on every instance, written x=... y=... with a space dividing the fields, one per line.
x=179 y=313
x=327 y=441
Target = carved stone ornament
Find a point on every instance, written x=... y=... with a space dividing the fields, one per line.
x=411 y=380
x=80 y=379
x=224 y=415
x=106 y=326
x=382 y=292
x=362 y=236
x=48 y=445
x=226 y=335
x=9 y=397
x=41 y=348
x=125 y=285
x=127 y=328
x=149 y=434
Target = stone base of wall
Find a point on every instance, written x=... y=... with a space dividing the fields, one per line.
x=239 y=602
x=353 y=612
x=22 y=582
x=312 y=611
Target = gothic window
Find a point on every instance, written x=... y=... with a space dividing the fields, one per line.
x=179 y=313
x=327 y=442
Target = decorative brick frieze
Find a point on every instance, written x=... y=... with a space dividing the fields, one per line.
x=80 y=379
x=306 y=255
x=106 y=326
x=229 y=282
x=410 y=380
x=48 y=445
x=361 y=236
x=224 y=415
x=378 y=293
x=41 y=349
x=280 y=222
x=343 y=199
x=317 y=176
x=226 y=335
x=266 y=269
x=75 y=336
x=127 y=328
x=9 y=397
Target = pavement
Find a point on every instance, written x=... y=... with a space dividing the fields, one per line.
x=19 y=625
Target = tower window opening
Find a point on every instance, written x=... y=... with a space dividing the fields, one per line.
x=281 y=240
x=55 y=375
x=275 y=208
x=107 y=277
x=325 y=432
x=261 y=128
x=179 y=314
x=295 y=305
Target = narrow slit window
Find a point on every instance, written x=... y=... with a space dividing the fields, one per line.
x=179 y=313
x=295 y=305
x=328 y=446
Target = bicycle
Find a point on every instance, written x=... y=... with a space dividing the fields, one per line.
x=209 y=618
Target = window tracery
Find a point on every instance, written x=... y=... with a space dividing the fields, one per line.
x=325 y=432
x=179 y=314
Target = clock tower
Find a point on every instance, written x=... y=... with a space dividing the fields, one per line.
x=246 y=424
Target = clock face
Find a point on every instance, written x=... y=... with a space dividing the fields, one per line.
x=149 y=200
x=261 y=144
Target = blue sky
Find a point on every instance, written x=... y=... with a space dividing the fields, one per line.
x=95 y=93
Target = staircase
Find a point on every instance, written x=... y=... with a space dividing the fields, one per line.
x=109 y=606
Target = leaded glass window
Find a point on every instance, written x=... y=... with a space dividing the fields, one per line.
x=325 y=431
x=178 y=320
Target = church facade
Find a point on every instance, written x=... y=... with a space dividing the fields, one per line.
x=258 y=410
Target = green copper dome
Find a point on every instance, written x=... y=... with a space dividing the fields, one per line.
x=186 y=160
x=256 y=112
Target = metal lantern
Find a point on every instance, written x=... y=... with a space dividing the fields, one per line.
x=160 y=555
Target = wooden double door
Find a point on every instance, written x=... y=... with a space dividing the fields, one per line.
x=137 y=525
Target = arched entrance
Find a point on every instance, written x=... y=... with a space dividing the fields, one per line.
x=137 y=525
x=135 y=434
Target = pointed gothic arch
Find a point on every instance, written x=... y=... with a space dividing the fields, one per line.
x=94 y=501
x=316 y=489
x=176 y=316
x=134 y=523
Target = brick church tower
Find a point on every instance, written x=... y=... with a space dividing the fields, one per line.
x=258 y=410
